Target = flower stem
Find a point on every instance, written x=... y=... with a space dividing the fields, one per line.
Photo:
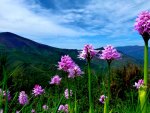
x=143 y=91
x=69 y=104
x=89 y=88
x=106 y=105
x=75 y=109
x=146 y=63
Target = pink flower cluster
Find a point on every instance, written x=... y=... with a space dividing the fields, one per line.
x=68 y=65
x=63 y=108
x=110 y=53
x=139 y=84
x=23 y=98
x=75 y=71
x=142 y=24
x=65 y=63
x=102 y=99
x=55 y=80
x=45 y=107
x=37 y=90
x=67 y=93
x=33 y=111
x=88 y=52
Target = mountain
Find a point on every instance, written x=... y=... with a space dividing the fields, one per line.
x=136 y=52
x=23 y=50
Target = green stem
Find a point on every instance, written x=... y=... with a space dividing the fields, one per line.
x=69 y=104
x=146 y=63
x=89 y=88
x=109 y=92
x=75 y=109
x=106 y=105
x=58 y=104
x=143 y=90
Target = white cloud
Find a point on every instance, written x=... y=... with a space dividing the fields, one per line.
x=104 y=19
x=19 y=17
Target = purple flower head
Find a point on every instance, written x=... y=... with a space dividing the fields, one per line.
x=37 y=90
x=67 y=93
x=102 y=99
x=55 y=80
x=142 y=23
x=1 y=110
x=63 y=108
x=139 y=84
x=45 y=107
x=66 y=108
x=33 y=111
x=75 y=71
x=110 y=53
x=16 y=112
x=88 y=52
x=8 y=95
x=23 y=98
x=65 y=63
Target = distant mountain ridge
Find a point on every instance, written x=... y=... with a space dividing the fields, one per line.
x=134 y=51
x=26 y=50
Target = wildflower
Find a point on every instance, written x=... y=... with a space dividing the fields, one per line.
x=17 y=111
x=75 y=71
x=67 y=93
x=1 y=110
x=37 y=90
x=45 y=107
x=63 y=108
x=23 y=98
x=55 y=80
x=8 y=95
x=66 y=108
x=139 y=84
x=142 y=24
x=102 y=99
x=88 y=52
x=33 y=111
x=110 y=53
x=65 y=63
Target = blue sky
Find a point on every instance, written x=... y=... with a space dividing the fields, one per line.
x=73 y=23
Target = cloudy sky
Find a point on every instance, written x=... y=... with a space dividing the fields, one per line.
x=73 y=23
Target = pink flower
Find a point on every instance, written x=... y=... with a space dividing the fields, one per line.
x=63 y=108
x=102 y=99
x=65 y=63
x=45 y=107
x=23 y=98
x=8 y=95
x=37 y=90
x=55 y=80
x=88 y=52
x=67 y=93
x=66 y=108
x=110 y=53
x=142 y=24
x=139 y=84
x=75 y=71
x=33 y=111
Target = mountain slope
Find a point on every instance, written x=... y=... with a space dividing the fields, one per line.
x=136 y=52
x=27 y=51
